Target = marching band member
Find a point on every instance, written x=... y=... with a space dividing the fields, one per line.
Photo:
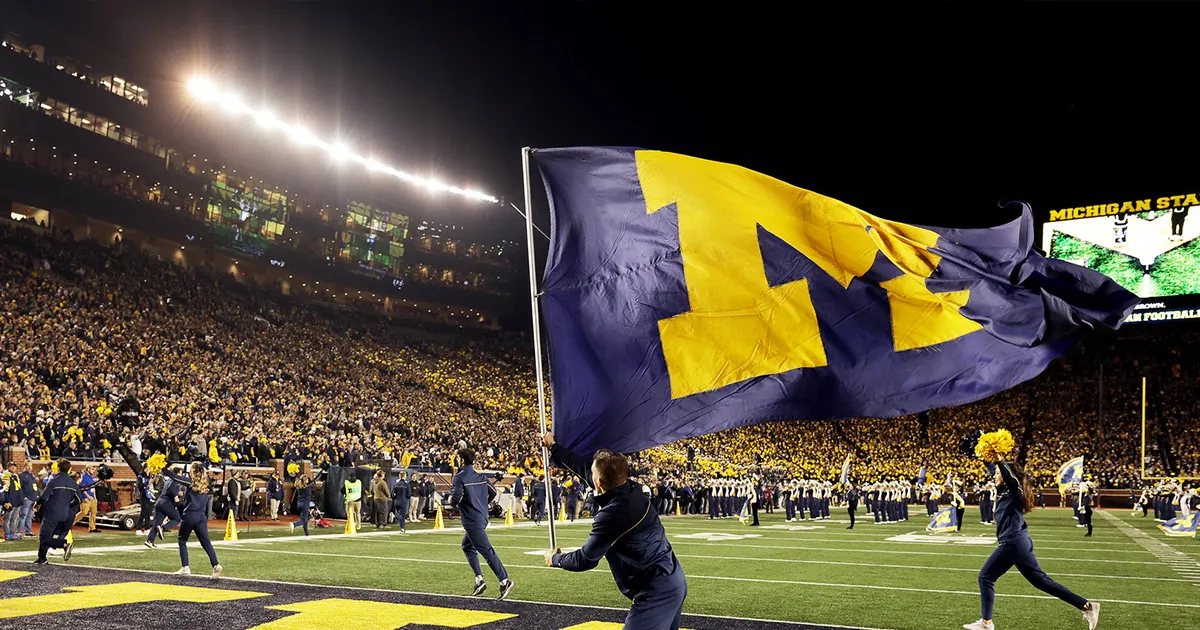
x=1086 y=497
x=851 y=503
x=960 y=505
x=933 y=495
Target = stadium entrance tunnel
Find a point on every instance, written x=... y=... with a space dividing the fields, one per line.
x=63 y=596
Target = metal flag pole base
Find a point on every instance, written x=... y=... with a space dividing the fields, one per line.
x=537 y=336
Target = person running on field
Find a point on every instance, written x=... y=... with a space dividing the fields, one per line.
x=472 y=495
x=1016 y=548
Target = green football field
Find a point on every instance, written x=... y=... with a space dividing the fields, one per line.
x=875 y=576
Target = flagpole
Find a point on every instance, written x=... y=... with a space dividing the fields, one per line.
x=537 y=336
x=1143 y=427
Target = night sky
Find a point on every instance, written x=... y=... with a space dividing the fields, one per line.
x=932 y=115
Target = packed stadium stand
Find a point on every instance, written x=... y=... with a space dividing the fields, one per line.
x=240 y=373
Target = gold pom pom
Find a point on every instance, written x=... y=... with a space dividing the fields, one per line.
x=995 y=446
x=156 y=463
x=293 y=469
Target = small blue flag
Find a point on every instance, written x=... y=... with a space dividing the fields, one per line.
x=684 y=297
x=846 y=471
x=1184 y=526
x=944 y=521
x=1070 y=472
x=921 y=477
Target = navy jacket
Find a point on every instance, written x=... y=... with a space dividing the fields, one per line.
x=304 y=499
x=625 y=530
x=13 y=495
x=1010 y=519
x=28 y=486
x=401 y=493
x=60 y=500
x=519 y=488
x=472 y=494
x=275 y=489
x=170 y=490
x=538 y=491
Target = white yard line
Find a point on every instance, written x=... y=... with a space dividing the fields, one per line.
x=800 y=537
x=795 y=561
x=1178 y=561
x=299 y=535
x=947 y=552
x=881 y=531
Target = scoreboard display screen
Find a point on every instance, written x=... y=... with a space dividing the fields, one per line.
x=373 y=239
x=1149 y=246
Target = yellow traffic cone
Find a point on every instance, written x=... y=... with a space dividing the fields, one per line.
x=438 y=523
x=508 y=517
x=562 y=512
x=677 y=513
x=350 y=525
x=231 y=528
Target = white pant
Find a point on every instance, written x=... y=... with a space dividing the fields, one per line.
x=274 y=508
x=412 y=508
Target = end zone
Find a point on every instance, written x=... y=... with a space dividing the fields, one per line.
x=57 y=594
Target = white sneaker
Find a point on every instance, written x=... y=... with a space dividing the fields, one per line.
x=1092 y=615
x=184 y=571
x=979 y=625
x=217 y=570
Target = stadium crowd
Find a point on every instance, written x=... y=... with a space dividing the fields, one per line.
x=243 y=374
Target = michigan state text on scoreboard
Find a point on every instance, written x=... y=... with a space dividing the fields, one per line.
x=1150 y=246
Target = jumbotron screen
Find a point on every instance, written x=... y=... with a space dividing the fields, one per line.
x=373 y=240
x=1150 y=246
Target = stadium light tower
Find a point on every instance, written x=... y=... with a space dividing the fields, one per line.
x=204 y=90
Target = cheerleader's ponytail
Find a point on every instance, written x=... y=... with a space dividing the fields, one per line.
x=199 y=478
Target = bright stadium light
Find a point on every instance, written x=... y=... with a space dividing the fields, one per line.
x=340 y=152
x=304 y=136
x=266 y=118
x=233 y=103
x=204 y=90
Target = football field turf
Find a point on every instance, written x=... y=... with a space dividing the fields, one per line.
x=875 y=576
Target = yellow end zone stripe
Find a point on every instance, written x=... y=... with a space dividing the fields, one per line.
x=101 y=595
x=6 y=574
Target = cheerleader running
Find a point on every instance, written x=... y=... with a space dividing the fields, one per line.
x=303 y=502
x=195 y=517
x=1016 y=548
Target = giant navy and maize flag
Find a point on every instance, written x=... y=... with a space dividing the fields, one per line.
x=684 y=296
